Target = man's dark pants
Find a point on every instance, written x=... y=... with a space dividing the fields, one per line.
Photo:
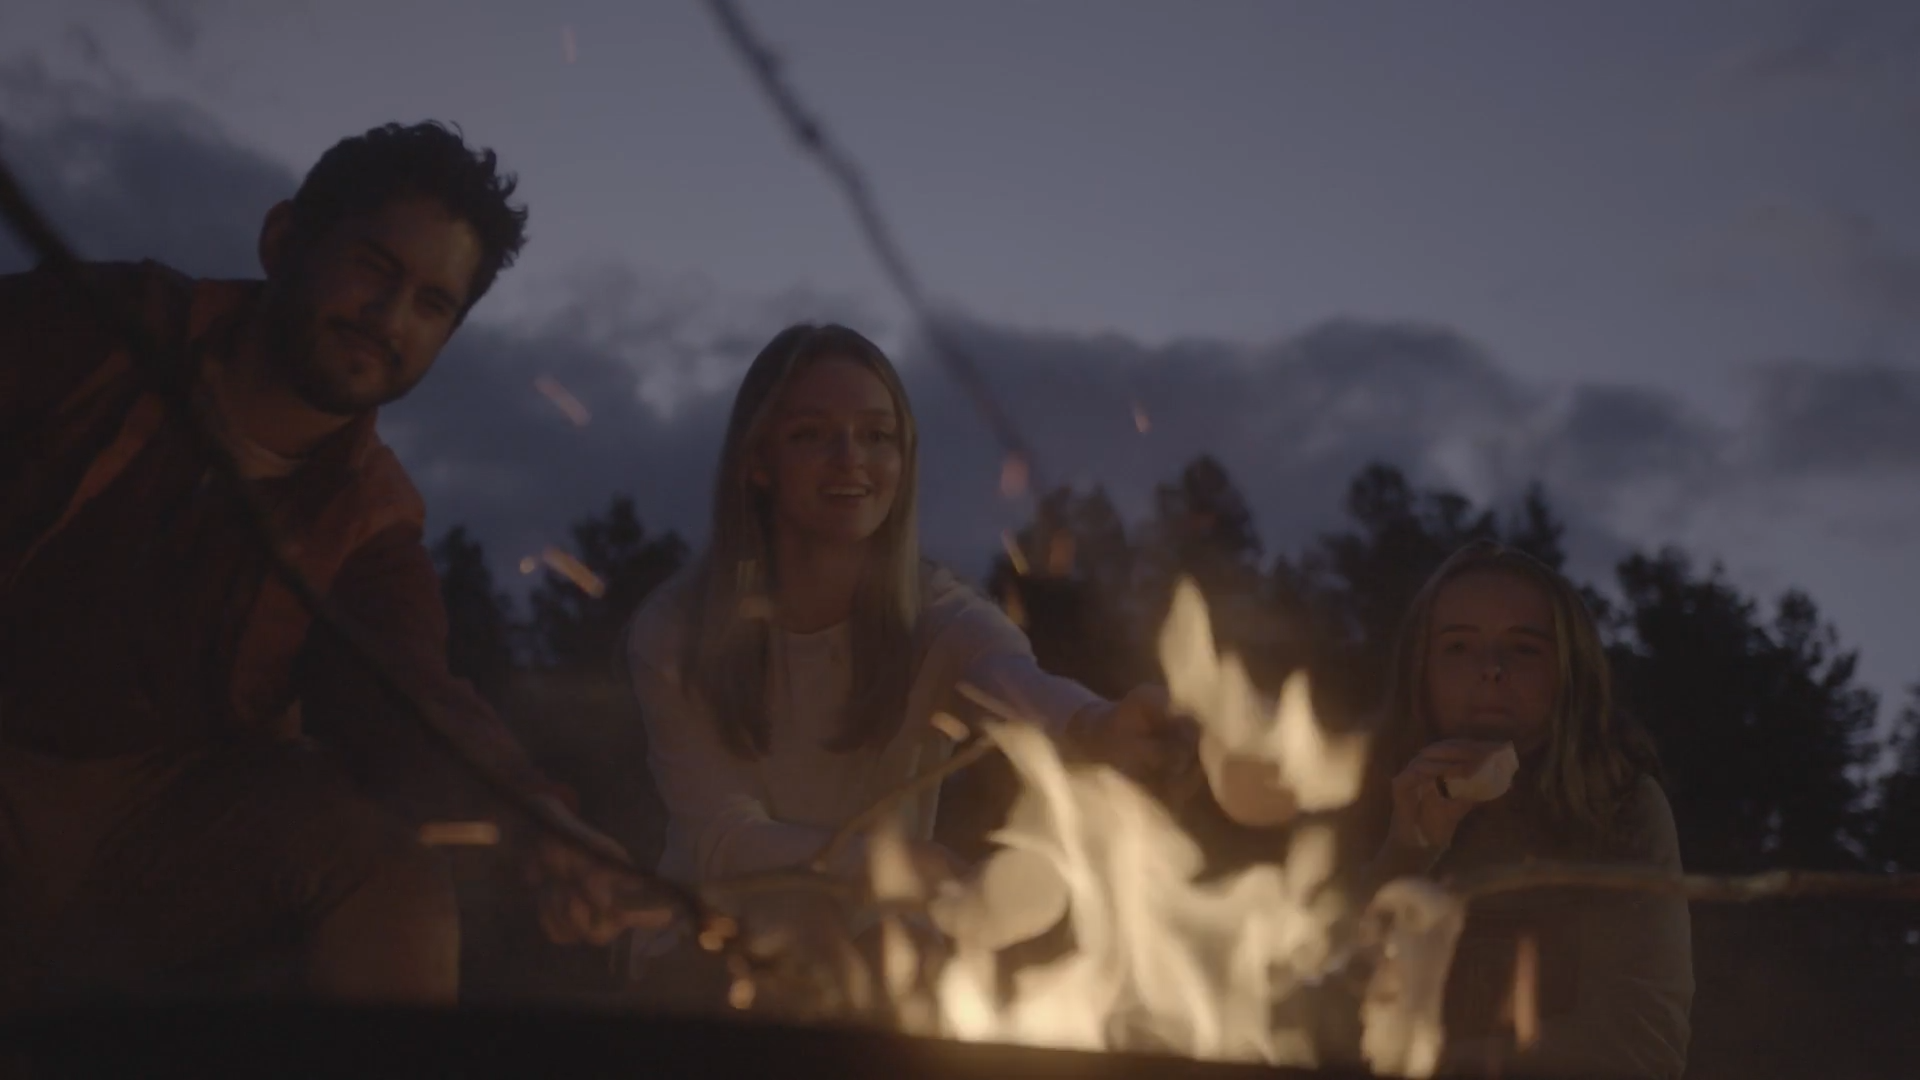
x=229 y=870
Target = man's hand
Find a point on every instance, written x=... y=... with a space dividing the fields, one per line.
x=1141 y=737
x=584 y=900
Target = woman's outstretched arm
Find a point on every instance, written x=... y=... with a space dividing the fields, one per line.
x=977 y=645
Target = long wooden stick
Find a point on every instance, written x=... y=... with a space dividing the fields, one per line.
x=1770 y=885
x=873 y=815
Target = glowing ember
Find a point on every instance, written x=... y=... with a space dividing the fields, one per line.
x=1015 y=554
x=460 y=834
x=1013 y=476
x=952 y=728
x=1162 y=961
x=529 y=564
x=563 y=400
x=1141 y=423
x=1060 y=548
x=1525 y=1002
x=575 y=571
x=1015 y=607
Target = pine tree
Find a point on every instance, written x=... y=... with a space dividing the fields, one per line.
x=479 y=617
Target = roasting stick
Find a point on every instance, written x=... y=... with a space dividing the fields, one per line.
x=1773 y=884
x=814 y=875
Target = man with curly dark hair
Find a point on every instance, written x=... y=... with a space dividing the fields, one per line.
x=200 y=792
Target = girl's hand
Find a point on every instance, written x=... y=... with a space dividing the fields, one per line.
x=1424 y=819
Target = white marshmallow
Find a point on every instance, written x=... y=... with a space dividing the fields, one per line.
x=1251 y=790
x=1015 y=895
x=1490 y=780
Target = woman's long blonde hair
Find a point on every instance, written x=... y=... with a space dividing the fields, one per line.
x=1593 y=756
x=730 y=594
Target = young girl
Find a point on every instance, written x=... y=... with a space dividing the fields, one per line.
x=1497 y=650
x=789 y=677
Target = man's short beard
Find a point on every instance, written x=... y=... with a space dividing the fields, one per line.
x=292 y=341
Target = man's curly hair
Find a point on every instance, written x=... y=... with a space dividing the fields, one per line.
x=363 y=173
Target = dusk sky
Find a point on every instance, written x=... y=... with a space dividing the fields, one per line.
x=1664 y=258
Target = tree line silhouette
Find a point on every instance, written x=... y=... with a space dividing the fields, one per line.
x=1768 y=739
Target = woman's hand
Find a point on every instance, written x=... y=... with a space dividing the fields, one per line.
x=1140 y=736
x=1424 y=819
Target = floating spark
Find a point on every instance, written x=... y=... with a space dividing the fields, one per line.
x=1013 y=476
x=460 y=834
x=563 y=400
x=1015 y=553
x=1060 y=549
x=947 y=725
x=1526 y=993
x=575 y=571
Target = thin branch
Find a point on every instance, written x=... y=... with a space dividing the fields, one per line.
x=806 y=129
x=1771 y=885
x=1001 y=710
x=804 y=880
x=873 y=815
x=815 y=877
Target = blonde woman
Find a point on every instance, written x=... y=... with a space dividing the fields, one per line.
x=790 y=675
x=1498 y=650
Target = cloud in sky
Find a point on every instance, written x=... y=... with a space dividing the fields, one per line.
x=176 y=22
x=653 y=358
x=1828 y=43
x=1854 y=419
x=1832 y=248
x=127 y=177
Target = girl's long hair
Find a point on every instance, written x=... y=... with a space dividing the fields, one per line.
x=1594 y=756
x=729 y=596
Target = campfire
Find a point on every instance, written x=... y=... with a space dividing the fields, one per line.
x=1161 y=959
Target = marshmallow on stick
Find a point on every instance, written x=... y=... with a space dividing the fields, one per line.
x=1252 y=790
x=1015 y=896
x=1487 y=782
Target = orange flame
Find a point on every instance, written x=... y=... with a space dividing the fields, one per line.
x=1015 y=607
x=1161 y=955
